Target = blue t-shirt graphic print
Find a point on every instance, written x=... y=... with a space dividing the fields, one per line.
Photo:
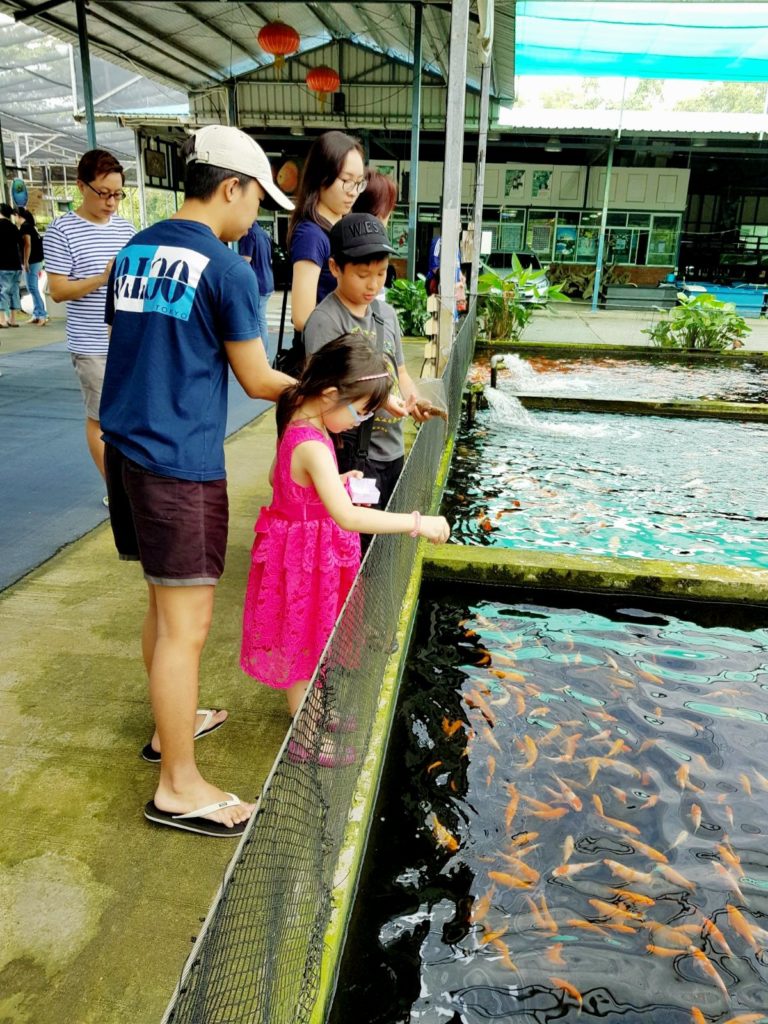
x=176 y=295
x=158 y=279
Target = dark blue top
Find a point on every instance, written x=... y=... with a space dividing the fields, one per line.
x=310 y=242
x=258 y=245
x=175 y=295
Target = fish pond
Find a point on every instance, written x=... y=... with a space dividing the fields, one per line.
x=573 y=819
x=633 y=486
x=639 y=379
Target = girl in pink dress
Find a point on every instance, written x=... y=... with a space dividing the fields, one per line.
x=307 y=547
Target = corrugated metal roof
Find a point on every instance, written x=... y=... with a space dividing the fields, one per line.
x=189 y=44
x=641 y=122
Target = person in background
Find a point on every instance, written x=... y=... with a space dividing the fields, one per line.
x=79 y=250
x=332 y=178
x=32 y=262
x=307 y=549
x=10 y=267
x=378 y=199
x=183 y=310
x=256 y=248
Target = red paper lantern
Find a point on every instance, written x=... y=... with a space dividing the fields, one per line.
x=323 y=80
x=278 y=39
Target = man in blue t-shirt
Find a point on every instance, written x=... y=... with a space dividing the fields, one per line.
x=183 y=308
x=256 y=248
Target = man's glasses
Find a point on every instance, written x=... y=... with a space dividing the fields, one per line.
x=104 y=196
x=359 y=417
x=352 y=186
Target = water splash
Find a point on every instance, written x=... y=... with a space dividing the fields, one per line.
x=506 y=410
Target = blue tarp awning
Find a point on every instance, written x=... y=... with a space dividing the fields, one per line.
x=711 y=41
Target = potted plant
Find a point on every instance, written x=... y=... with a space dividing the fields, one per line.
x=409 y=298
x=509 y=300
x=700 y=322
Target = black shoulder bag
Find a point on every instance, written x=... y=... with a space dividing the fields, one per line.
x=289 y=360
x=353 y=450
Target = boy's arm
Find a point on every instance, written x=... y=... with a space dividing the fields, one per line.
x=256 y=377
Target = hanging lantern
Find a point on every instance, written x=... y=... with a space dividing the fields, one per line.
x=278 y=39
x=323 y=80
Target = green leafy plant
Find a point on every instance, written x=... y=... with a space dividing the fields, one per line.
x=410 y=300
x=700 y=322
x=507 y=302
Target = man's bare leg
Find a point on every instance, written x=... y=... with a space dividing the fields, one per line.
x=95 y=444
x=148 y=641
x=183 y=618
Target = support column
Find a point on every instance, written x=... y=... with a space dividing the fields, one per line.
x=482 y=145
x=4 y=197
x=454 y=154
x=140 y=181
x=413 y=176
x=85 y=66
x=603 y=221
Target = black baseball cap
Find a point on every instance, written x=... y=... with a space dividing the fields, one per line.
x=359 y=235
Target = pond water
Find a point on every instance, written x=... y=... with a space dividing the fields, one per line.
x=573 y=820
x=633 y=486
x=606 y=377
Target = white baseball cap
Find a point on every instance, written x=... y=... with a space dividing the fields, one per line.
x=223 y=146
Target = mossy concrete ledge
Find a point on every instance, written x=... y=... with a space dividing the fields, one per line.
x=510 y=567
x=700 y=409
x=587 y=350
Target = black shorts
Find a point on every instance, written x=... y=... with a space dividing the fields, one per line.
x=176 y=528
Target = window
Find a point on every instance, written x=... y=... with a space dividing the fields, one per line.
x=662 y=247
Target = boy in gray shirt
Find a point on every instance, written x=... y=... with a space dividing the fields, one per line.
x=359 y=259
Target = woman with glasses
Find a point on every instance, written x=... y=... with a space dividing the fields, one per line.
x=79 y=249
x=332 y=179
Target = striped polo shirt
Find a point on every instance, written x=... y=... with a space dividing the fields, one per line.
x=78 y=248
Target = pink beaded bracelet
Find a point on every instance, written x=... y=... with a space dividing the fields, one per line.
x=416 y=523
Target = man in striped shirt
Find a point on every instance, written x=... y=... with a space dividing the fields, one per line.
x=80 y=248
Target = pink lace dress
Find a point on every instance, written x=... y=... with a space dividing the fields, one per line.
x=302 y=567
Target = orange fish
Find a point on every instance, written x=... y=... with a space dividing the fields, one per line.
x=674 y=876
x=482 y=906
x=526 y=872
x=616 y=822
x=443 y=836
x=549 y=921
x=697 y=1017
x=589 y=926
x=522 y=838
x=649 y=851
x=741 y=926
x=635 y=897
x=628 y=874
x=570 y=747
x=728 y=876
x=551 y=735
x=511 y=810
x=650 y=802
x=568 y=793
x=706 y=967
x=761 y=779
x=490 y=936
x=569 y=989
x=491 y=769
x=449 y=728
x=567 y=870
x=669 y=936
x=611 y=910
x=661 y=951
x=710 y=928
x=505 y=957
x=746 y=1018
x=536 y=915
x=510 y=881
x=695 y=816
x=555 y=954
x=431 y=767
x=550 y=813
x=568 y=845
x=744 y=780
x=729 y=856
x=531 y=752
x=491 y=739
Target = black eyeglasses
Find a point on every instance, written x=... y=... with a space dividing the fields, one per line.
x=119 y=195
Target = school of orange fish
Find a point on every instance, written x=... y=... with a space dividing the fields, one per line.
x=583 y=779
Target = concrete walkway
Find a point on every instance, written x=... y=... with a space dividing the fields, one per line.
x=574 y=323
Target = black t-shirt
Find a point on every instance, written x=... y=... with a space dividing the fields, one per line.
x=36 y=250
x=10 y=245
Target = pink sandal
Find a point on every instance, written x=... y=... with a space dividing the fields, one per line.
x=300 y=754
